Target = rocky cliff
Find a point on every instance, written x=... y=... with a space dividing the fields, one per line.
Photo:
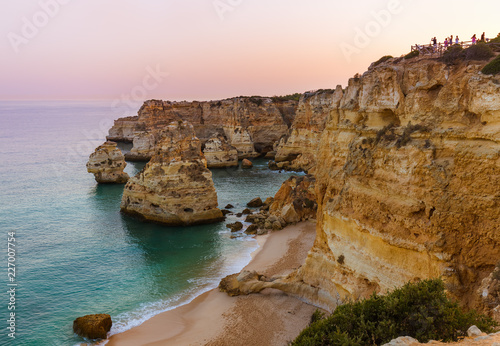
x=298 y=151
x=175 y=187
x=407 y=181
x=220 y=154
x=107 y=164
x=295 y=201
x=251 y=124
x=407 y=185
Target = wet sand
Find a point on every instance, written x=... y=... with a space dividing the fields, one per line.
x=214 y=318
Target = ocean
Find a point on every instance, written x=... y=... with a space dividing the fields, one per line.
x=74 y=252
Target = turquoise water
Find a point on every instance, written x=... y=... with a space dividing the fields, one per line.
x=75 y=253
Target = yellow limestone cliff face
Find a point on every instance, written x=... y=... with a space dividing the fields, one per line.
x=251 y=124
x=408 y=182
x=298 y=151
x=220 y=154
x=175 y=188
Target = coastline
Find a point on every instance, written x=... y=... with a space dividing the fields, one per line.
x=214 y=318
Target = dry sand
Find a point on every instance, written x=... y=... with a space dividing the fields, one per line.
x=268 y=318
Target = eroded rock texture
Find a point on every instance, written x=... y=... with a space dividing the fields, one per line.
x=107 y=164
x=298 y=151
x=251 y=124
x=175 y=187
x=220 y=154
x=408 y=182
x=296 y=200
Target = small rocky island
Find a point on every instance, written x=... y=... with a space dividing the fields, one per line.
x=107 y=164
x=175 y=188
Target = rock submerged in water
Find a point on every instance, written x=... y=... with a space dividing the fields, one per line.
x=175 y=188
x=246 y=164
x=272 y=165
x=255 y=203
x=107 y=164
x=235 y=227
x=93 y=326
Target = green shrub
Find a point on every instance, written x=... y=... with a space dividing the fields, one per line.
x=480 y=51
x=412 y=55
x=291 y=97
x=382 y=59
x=258 y=100
x=419 y=310
x=318 y=315
x=493 y=67
x=453 y=54
x=495 y=40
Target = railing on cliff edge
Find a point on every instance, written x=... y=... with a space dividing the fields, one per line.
x=440 y=48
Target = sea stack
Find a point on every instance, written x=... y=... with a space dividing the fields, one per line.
x=175 y=188
x=220 y=154
x=107 y=164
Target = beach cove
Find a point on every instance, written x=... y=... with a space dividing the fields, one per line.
x=214 y=318
x=77 y=254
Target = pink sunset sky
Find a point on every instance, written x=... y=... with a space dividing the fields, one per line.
x=212 y=49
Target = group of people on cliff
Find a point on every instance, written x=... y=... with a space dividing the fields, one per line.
x=448 y=42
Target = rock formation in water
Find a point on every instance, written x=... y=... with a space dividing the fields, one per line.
x=175 y=187
x=246 y=163
x=251 y=124
x=298 y=151
x=220 y=154
x=407 y=184
x=93 y=326
x=107 y=164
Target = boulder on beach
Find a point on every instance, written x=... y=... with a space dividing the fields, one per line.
x=93 y=326
x=252 y=229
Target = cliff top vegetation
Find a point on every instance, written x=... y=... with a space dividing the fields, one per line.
x=420 y=310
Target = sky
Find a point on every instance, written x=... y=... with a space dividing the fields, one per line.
x=213 y=49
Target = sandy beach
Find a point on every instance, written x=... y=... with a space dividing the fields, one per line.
x=214 y=318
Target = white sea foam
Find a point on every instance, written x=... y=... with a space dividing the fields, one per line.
x=231 y=262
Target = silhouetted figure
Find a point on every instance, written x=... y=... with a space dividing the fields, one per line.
x=473 y=38
x=483 y=37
